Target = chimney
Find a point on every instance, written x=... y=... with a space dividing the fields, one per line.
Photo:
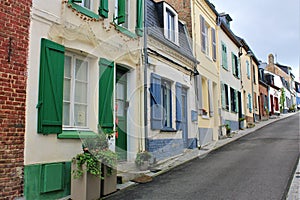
x=271 y=59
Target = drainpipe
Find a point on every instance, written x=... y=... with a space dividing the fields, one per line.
x=145 y=76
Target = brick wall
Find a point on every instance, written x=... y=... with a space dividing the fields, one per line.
x=14 y=30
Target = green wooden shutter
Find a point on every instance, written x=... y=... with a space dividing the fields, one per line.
x=224 y=56
x=239 y=68
x=103 y=8
x=139 y=17
x=106 y=85
x=233 y=63
x=236 y=101
x=121 y=11
x=50 y=100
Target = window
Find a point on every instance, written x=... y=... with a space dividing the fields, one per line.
x=225 y=100
x=84 y=3
x=233 y=100
x=235 y=65
x=204 y=36
x=248 y=69
x=166 y=103
x=170 y=23
x=224 y=56
x=161 y=103
x=75 y=91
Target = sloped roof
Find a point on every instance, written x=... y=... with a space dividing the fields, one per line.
x=155 y=28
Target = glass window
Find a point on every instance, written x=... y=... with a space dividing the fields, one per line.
x=86 y=4
x=166 y=103
x=171 y=25
x=75 y=91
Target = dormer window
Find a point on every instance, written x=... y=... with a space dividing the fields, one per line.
x=170 y=23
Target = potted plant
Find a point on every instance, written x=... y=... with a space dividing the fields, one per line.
x=85 y=182
x=88 y=169
x=228 y=129
x=142 y=160
x=108 y=159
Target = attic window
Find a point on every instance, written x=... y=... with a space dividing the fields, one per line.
x=170 y=23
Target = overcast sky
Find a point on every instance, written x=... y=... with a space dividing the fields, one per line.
x=268 y=26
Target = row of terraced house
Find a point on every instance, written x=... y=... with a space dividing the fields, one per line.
x=164 y=76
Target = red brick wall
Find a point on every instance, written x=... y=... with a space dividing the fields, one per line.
x=14 y=35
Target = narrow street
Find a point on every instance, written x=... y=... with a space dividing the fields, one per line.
x=257 y=166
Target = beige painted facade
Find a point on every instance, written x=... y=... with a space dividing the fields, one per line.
x=89 y=39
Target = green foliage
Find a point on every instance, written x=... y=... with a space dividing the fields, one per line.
x=93 y=166
x=141 y=157
x=282 y=99
x=95 y=152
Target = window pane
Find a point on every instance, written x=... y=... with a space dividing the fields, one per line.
x=120 y=91
x=87 y=4
x=80 y=92
x=121 y=108
x=81 y=70
x=66 y=113
x=80 y=112
x=67 y=67
x=67 y=89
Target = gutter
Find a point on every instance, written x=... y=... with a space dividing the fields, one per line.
x=145 y=50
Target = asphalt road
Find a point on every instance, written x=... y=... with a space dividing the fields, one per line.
x=257 y=166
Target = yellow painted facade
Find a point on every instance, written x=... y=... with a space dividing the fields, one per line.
x=208 y=67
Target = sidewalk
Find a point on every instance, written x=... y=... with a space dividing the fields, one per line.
x=294 y=191
x=189 y=154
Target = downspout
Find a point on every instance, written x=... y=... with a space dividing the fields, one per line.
x=145 y=76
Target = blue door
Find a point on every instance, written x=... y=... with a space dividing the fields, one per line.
x=184 y=123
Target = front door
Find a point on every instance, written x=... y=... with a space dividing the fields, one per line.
x=184 y=123
x=121 y=114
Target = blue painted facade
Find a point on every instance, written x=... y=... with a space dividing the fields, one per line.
x=166 y=148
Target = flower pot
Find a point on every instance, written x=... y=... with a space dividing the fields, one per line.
x=86 y=187
x=109 y=182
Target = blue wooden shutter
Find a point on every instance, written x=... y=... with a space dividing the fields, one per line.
x=250 y=103
x=178 y=87
x=210 y=98
x=50 y=100
x=106 y=85
x=202 y=26
x=155 y=102
x=103 y=8
x=121 y=11
x=248 y=69
x=199 y=93
x=214 y=48
x=139 y=17
x=236 y=101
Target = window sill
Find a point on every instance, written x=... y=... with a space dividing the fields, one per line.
x=166 y=129
x=205 y=117
x=83 y=10
x=125 y=31
x=76 y=134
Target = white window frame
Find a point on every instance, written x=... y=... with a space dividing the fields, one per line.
x=168 y=9
x=83 y=2
x=72 y=125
